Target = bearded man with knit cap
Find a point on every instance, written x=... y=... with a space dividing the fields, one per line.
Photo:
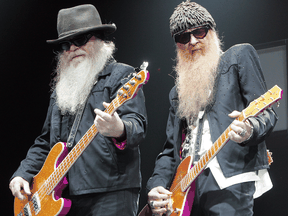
x=211 y=88
x=106 y=178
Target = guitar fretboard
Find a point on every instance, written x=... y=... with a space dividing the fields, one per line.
x=254 y=108
x=196 y=170
x=75 y=153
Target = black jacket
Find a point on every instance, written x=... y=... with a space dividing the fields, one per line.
x=239 y=82
x=102 y=167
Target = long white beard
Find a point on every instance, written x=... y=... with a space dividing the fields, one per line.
x=196 y=77
x=75 y=81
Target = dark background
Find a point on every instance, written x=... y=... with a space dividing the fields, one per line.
x=143 y=35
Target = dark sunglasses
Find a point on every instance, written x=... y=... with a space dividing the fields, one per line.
x=79 y=41
x=186 y=37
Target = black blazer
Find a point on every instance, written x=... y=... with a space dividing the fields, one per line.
x=102 y=167
x=239 y=82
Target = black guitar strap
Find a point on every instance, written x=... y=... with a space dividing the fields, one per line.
x=74 y=128
x=76 y=123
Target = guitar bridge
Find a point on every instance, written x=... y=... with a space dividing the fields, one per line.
x=36 y=203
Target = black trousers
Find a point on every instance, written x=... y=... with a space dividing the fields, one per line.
x=211 y=200
x=122 y=202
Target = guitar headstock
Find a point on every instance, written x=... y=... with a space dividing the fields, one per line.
x=263 y=102
x=129 y=90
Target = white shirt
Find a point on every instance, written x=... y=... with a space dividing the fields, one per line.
x=262 y=179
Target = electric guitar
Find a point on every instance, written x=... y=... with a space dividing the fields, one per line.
x=47 y=185
x=183 y=185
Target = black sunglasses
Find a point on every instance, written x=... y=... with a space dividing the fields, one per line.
x=184 y=38
x=79 y=41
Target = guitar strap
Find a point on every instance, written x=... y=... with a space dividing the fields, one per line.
x=76 y=123
x=74 y=128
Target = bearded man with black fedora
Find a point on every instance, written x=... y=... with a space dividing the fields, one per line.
x=106 y=178
x=211 y=88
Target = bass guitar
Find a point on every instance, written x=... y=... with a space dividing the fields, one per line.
x=48 y=184
x=183 y=185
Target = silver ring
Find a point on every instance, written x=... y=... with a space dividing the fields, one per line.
x=152 y=204
x=242 y=134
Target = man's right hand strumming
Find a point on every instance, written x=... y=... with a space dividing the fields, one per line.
x=17 y=184
x=158 y=200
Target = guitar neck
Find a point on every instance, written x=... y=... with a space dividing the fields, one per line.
x=196 y=170
x=126 y=92
x=255 y=107
x=78 y=149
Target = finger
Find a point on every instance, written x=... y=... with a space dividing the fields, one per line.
x=160 y=204
x=16 y=191
x=234 y=137
x=160 y=190
x=234 y=114
x=99 y=120
x=103 y=115
x=157 y=196
x=239 y=123
x=236 y=128
x=26 y=188
x=163 y=190
x=106 y=104
x=159 y=211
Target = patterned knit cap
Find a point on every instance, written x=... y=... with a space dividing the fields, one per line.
x=189 y=15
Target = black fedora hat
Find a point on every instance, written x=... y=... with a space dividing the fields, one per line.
x=79 y=20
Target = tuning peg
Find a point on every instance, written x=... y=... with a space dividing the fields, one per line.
x=132 y=82
x=126 y=87
x=138 y=77
x=120 y=92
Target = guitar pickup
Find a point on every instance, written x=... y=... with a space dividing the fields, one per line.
x=36 y=203
x=27 y=211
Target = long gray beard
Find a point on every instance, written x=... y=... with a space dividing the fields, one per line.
x=195 y=79
x=74 y=82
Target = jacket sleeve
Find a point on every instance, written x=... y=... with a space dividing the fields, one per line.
x=132 y=112
x=37 y=153
x=168 y=160
x=253 y=85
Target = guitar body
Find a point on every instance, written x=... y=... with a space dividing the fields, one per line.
x=39 y=202
x=183 y=185
x=181 y=202
x=48 y=184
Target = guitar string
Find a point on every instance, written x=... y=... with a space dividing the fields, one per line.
x=209 y=152
x=81 y=150
x=225 y=133
x=195 y=170
x=51 y=179
x=47 y=187
x=41 y=194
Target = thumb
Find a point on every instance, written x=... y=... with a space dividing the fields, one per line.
x=234 y=114
x=163 y=190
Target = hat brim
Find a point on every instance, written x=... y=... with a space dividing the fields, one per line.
x=106 y=28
